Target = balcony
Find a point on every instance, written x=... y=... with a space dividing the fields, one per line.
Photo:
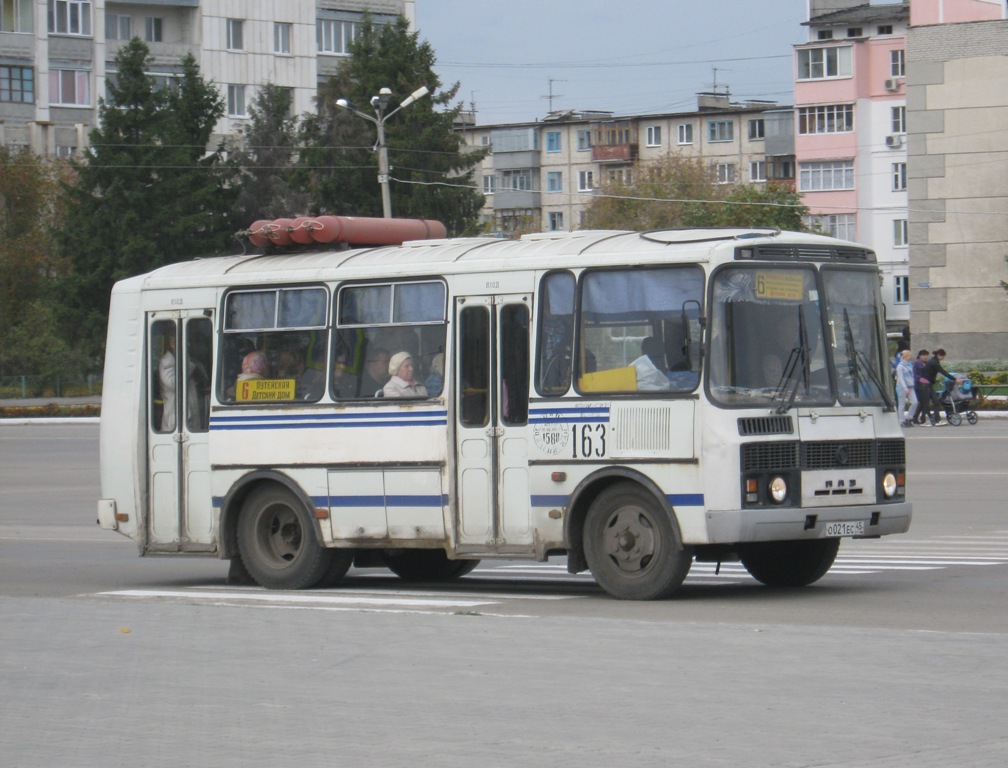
x=614 y=153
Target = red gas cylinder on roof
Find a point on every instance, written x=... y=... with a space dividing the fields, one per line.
x=352 y=230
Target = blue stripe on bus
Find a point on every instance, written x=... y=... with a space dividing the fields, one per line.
x=565 y=414
x=402 y=500
x=675 y=499
x=328 y=421
x=238 y=418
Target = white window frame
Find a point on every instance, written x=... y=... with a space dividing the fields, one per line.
x=840 y=225
x=720 y=131
x=898 y=117
x=897 y=63
x=70 y=17
x=235 y=34
x=283 y=31
x=556 y=221
x=724 y=173
x=584 y=139
x=118 y=26
x=20 y=16
x=685 y=133
x=489 y=184
x=653 y=135
x=153 y=29
x=236 y=101
x=825 y=175
x=825 y=63
x=554 y=181
x=901 y=238
x=77 y=81
x=586 y=181
x=757 y=129
x=899 y=177
x=757 y=171
x=825 y=118
x=901 y=289
x=334 y=36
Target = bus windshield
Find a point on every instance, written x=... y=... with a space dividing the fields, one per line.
x=776 y=332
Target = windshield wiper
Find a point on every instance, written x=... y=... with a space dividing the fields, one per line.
x=787 y=387
x=856 y=359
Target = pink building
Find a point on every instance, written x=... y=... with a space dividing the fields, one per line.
x=850 y=132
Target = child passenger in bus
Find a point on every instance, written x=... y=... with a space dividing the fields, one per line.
x=402 y=384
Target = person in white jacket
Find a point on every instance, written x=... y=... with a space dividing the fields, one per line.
x=402 y=384
x=906 y=397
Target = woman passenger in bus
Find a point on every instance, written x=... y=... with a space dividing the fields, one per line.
x=402 y=384
x=435 y=379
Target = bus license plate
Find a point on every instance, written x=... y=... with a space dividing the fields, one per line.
x=855 y=528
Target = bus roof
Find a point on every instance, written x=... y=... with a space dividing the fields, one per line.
x=467 y=255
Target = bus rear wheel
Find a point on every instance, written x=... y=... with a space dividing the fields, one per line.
x=632 y=546
x=426 y=565
x=277 y=541
x=789 y=563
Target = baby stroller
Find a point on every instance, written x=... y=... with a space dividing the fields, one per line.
x=955 y=400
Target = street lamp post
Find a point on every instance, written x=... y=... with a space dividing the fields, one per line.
x=379 y=103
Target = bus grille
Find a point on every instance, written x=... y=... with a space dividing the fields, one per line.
x=824 y=454
x=766 y=425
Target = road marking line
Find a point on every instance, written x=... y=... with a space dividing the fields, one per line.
x=313 y=599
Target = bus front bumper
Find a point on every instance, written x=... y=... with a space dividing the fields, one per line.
x=786 y=523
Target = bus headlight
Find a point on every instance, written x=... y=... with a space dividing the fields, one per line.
x=778 y=489
x=889 y=485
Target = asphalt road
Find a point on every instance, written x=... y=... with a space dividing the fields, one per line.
x=896 y=658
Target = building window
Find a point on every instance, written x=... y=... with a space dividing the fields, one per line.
x=829 y=118
x=898 y=119
x=70 y=17
x=724 y=173
x=517 y=180
x=757 y=171
x=583 y=139
x=63 y=150
x=654 y=135
x=900 y=232
x=855 y=32
x=118 y=27
x=488 y=184
x=235 y=37
x=17 y=84
x=899 y=179
x=334 y=36
x=885 y=29
x=70 y=86
x=757 y=129
x=553 y=141
x=236 y=101
x=686 y=133
x=153 y=29
x=823 y=176
x=282 y=37
x=17 y=16
x=897 y=63
x=554 y=181
x=840 y=225
x=556 y=223
x=823 y=63
x=586 y=181
x=720 y=130
x=620 y=175
x=825 y=34
x=901 y=283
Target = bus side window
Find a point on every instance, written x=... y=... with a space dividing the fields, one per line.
x=474 y=367
x=514 y=351
x=556 y=333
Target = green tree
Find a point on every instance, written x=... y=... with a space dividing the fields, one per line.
x=265 y=162
x=432 y=175
x=147 y=192
x=29 y=203
x=680 y=192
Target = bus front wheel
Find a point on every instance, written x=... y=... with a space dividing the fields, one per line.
x=631 y=545
x=277 y=541
x=789 y=563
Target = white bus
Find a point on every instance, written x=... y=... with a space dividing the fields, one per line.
x=633 y=401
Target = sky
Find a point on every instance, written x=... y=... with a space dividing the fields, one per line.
x=630 y=57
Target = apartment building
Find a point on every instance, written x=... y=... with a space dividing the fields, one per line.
x=540 y=176
x=957 y=110
x=57 y=56
x=850 y=133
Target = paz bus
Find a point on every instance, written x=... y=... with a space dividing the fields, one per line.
x=633 y=401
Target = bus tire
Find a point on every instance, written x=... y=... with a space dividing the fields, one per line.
x=631 y=545
x=789 y=563
x=277 y=542
x=341 y=562
x=426 y=565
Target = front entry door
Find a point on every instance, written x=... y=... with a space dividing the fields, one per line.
x=180 y=507
x=491 y=416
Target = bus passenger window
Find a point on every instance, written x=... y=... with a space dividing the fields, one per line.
x=556 y=333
